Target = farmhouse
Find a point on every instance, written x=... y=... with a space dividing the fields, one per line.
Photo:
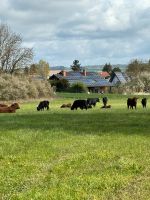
x=93 y=81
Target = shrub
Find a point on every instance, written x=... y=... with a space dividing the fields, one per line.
x=17 y=87
x=78 y=87
x=61 y=85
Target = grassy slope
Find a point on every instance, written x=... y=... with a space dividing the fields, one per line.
x=64 y=154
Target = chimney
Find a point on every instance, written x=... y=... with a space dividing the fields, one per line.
x=84 y=72
x=63 y=72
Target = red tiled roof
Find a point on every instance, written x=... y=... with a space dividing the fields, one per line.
x=104 y=74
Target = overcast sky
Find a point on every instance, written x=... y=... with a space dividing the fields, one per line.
x=92 y=31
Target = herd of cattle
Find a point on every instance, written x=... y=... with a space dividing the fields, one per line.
x=82 y=104
x=91 y=102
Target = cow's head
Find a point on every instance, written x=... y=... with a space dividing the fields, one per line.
x=15 y=106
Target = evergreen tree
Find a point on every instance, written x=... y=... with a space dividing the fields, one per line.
x=107 y=68
x=76 y=66
x=116 y=69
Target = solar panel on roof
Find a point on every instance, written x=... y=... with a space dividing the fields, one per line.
x=120 y=77
x=93 y=80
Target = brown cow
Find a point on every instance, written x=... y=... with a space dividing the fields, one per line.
x=3 y=105
x=10 y=109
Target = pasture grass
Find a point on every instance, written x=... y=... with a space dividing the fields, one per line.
x=61 y=154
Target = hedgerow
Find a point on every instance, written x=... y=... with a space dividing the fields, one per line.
x=23 y=87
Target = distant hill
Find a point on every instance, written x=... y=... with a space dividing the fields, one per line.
x=100 y=67
x=94 y=68
x=58 y=68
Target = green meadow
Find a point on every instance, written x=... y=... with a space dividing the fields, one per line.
x=60 y=154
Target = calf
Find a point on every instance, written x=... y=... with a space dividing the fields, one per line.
x=109 y=106
x=82 y=104
x=144 y=102
x=132 y=102
x=66 y=105
x=10 y=109
x=42 y=105
x=92 y=101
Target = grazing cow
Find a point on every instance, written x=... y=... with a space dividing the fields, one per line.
x=82 y=104
x=132 y=102
x=42 y=105
x=68 y=105
x=92 y=101
x=144 y=102
x=105 y=100
x=10 y=109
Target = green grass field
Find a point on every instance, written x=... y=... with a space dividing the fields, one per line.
x=75 y=155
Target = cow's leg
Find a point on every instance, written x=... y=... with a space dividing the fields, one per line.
x=135 y=107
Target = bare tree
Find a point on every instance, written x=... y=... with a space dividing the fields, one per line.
x=12 y=55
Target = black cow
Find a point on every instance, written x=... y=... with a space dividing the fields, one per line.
x=92 y=101
x=105 y=100
x=42 y=105
x=144 y=102
x=82 y=104
x=132 y=102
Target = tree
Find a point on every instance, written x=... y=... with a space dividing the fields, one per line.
x=107 y=68
x=61 y=85
x=43 y=68
x=137 y=67
x=76 y=66
x=116 y=69
x=134 y=67
x=33 y=69
x=26 y=71
x=12 y=55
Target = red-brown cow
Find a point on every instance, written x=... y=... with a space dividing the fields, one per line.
x=10 y=109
